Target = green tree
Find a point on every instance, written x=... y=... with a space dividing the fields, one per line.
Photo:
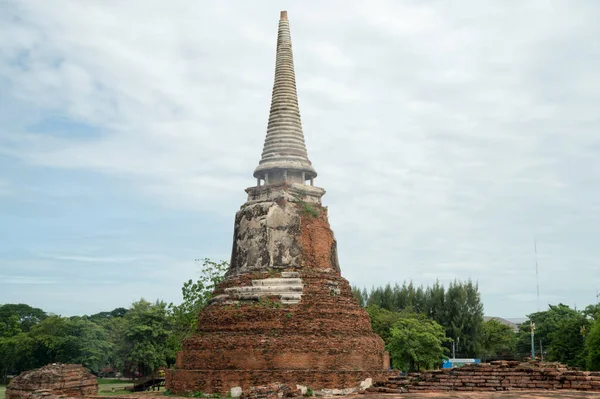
x=70 y=340
x=459 y=308
x=358 y=294
x=196 y=295
x=146 y=329
x=592 y=344
x=436 y=302
x=115 y=331
x=10 y=326
x=497 y=338
x=102 y=316
x=592 y=311
x=92 y=346
x=463 y=317
x=416 y=341
x=26 y=315
x=16 y=355
x=382 y=321
x=548 y=323
x=113 y=325
x=567 y=341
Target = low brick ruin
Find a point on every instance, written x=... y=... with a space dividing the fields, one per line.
x=57 y=379
x=272 y=391
x=494 y=376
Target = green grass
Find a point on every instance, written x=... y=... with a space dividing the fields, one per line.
x=115 y=393
x=102 y=381
x=106 y=386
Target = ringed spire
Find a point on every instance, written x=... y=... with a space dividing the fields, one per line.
x=284 y=156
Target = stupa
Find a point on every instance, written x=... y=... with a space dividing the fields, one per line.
x=284 y=313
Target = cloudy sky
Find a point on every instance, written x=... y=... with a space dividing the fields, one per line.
x=449 y=136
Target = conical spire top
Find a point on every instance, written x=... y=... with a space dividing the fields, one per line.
x=284 y=156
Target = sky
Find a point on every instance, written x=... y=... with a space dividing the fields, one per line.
x=449 y=135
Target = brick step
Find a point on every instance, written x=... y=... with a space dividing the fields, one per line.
x=277 y=281
x=265 y=289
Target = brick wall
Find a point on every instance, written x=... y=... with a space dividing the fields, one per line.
x=221 y=381
x=494 y=376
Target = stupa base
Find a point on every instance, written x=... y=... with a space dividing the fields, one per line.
x=221 y=381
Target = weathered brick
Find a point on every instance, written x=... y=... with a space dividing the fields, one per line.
x=58 y=379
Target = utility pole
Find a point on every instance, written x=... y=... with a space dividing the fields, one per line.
x=453 y=349
x=455 y=343
x=532 y=340
x=537 y=277
x=541 y=351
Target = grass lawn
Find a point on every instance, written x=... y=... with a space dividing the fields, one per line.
x=106 y=386
x=2 y=390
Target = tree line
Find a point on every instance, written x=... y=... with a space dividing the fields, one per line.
x=133 y=341
x=419 y=325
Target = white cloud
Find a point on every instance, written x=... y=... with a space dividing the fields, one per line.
x=5 y=189
x=26 y=280
x=94 y=259
x=447 y=134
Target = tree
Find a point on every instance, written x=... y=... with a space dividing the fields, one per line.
x=196 y=296
x=463 y=316
x=358 y=294
x=112 y=324
x=459 y=308
x=382 y=321
x=10 y=326
x=436 y=302
x=592 y=344
x=592 y=311
x=26 y=315
x=99 y=317
x=70 y=340
x=16 y=355
x=92 y=345
x=561 y=330
x=146 y=330
x=416 y=341
x=497 y=338
x=567 y=341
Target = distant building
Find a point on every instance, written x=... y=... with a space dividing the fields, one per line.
x=511 y=324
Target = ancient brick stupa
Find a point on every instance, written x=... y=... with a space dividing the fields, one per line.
x=284 y=313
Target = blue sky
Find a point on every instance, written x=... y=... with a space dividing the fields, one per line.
x=448 y=135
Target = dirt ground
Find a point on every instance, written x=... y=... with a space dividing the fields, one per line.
x=562 y=394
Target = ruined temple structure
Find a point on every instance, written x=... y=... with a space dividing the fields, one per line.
x=284 y=313
x=495 y=376
x=53 y=381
